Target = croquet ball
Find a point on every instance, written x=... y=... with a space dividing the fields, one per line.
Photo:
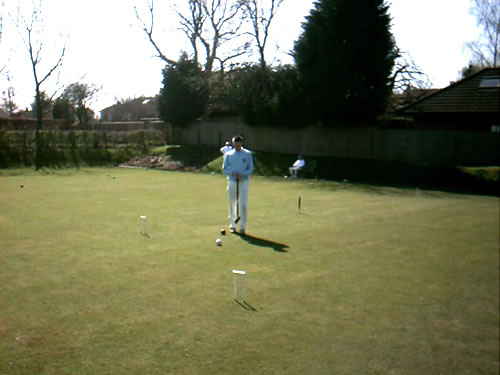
x=218 y=241
x=223 y=231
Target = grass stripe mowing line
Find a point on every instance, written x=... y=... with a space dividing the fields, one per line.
x=364 y=280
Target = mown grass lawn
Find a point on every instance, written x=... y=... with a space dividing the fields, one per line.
x=364 y=280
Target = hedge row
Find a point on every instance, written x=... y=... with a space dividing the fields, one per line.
x=63 y=148
x=85 y=138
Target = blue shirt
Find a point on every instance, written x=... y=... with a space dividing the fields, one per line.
x=238 y=162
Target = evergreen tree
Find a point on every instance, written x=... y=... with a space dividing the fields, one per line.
x=345 y=55
x=265 y=96
x=185 y=92
x=63 y=110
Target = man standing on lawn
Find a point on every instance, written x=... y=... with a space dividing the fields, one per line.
x=238 y=166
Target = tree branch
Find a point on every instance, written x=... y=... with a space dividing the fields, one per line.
x=149 y=33
x=261 y=23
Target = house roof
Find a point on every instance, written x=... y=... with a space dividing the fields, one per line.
x=141 y=101
x=479 y=92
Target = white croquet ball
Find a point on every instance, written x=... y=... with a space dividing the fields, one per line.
x=218 y=241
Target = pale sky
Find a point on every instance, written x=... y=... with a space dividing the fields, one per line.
x=106 y=46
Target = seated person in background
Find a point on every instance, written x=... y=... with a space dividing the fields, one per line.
x=299 y=164
x=227 y=147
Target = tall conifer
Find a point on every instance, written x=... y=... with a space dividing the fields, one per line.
x=345 y=55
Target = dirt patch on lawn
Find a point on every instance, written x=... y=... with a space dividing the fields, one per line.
x=156 y=162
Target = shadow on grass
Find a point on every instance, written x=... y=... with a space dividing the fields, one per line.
x=195 y=156
x=245 y=305
x=261 y=242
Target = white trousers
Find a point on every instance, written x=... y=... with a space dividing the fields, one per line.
x=293 y=171
x=240 y=191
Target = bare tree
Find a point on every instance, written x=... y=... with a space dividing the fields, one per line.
x=208 y=25
x=149 y=28
x=192 y=25
x=486 y=50
x=2 y=67
x=31 y=32
x=8 y=96
x=260 y=17
x=407 y=81
x=406 y=74
x=223 y=27
x=1 y=21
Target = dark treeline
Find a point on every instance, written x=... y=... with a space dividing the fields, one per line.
x=341 y=76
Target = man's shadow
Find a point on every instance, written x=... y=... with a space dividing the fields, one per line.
x=245 y=305
x=256 y=241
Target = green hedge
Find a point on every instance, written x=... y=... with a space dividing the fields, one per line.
x=64 y=148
